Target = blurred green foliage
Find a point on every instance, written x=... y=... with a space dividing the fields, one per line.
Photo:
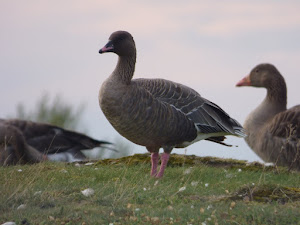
x=57 y=112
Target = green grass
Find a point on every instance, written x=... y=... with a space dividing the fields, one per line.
x=215 y=192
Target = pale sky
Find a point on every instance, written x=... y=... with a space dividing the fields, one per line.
x=208 y=45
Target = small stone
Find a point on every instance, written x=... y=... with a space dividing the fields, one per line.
x=77 y=165
x=182 y=189
x=51 y=218
x=226 y=191
x=209 y=207
x=129 y=206
x=112 y=213
x=232 y=205
x=89 y=164
x=37 y=193
x=22 y=206
x=88 y=192
x=9 y=223
x=201 y=210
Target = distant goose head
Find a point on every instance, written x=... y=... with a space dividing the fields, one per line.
x=267 y=76
x=121 y=43
x=263 y=75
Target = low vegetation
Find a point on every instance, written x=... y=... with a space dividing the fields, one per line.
x=194 y=190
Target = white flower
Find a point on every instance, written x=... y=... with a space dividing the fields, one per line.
x=88 y=192
x=63 y=171
x=181 y=189
x=192 y=206
x=89 y=164
x=137 y=209
x=77 y=165
x=239 y=170
x=19 y=170
x=206 y=185
x=145 y=189
x=209 y=207
x=203 y=223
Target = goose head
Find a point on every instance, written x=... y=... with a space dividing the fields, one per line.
x=120 y=43
x=263 y=75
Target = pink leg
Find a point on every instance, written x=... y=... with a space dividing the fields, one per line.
x=164 y=161
x=154 y=162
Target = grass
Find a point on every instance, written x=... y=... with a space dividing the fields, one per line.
x=194 y=190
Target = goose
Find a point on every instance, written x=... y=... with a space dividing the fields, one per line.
x=158 y=113
x=14 y=149
x=55 y=143
x=273 y=131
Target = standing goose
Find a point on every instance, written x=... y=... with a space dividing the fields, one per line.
x=273 y=131
x=158 y=113
x=56 y=143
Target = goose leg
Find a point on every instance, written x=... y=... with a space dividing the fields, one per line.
x=164 y=161
x=154 y=162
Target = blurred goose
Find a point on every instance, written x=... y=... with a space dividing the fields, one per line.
x=158 y=113
x=14 y=149
x=55 y=143
x=273 y=130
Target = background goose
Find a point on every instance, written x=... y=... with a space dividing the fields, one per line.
x=56 y=143
x=158 y=113
x=273 y=131
x=14 y=149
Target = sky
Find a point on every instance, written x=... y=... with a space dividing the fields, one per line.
x=52 y=46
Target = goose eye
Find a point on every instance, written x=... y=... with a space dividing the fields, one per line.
x=256 y=71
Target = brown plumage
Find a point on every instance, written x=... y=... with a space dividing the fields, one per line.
x=158 y=113
x=273 y=130
x=19 y=137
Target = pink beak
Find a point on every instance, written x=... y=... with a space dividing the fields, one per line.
x=244 y=82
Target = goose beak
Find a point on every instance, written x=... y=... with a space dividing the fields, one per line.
x=244 y=82
x=109 y=47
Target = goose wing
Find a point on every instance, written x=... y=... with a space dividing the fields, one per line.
x=283 y=132
x=53 y=139
x=207 y=116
